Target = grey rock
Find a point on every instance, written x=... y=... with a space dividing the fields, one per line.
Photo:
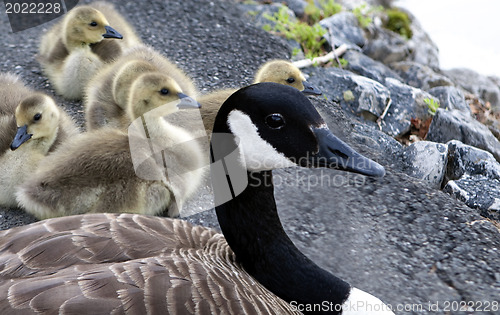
x=423 y=50
x=351 y=4
x=419 y=75
x=450 y=97
x=473 y=176
x=364 y=138
x=475 y=83
x=478 y=192
x=368 y=98
x=456 y=125
x=407 y=102
x=355 y=93
x=343 y=28
x=386 y=46
x=466 y=159
x=297 y=6
x=495 y=79
x=426 y=161
x=361 y=64
x=257 y=13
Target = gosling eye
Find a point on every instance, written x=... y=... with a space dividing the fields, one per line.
x=93 y=23
x=164 y=91
x=290 y=80
x=275 y=121
x=37 y=117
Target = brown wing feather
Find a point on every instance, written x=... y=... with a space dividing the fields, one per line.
x=131 y=264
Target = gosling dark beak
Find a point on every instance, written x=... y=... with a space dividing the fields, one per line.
x=21 y=137
x=111 y=33
x=310 y=89
x=187 y=102
x=335 y=153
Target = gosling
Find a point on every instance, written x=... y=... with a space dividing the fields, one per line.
x=106 y=95
x=75 y=48
x=151 y=170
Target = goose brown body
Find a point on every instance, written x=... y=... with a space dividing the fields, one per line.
x=73 y=49
x=96 y=172
x=106 y=94
x=18 y=162
x=125 y=263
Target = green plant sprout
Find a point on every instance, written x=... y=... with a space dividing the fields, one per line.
x=309 y=37
x=326 y=8
x=363 y=13
x=432 y=105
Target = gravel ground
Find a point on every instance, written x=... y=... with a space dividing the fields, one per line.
x=409 y=245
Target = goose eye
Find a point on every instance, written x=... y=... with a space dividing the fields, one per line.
x=275 y=121
x=37 y=117
x=164 y=91
x=290 y=80
x=93 y=23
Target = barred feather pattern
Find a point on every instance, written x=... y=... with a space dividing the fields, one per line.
x=125 y=264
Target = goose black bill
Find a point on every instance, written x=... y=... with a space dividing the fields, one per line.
x=187 y=102
x=111 y=33
x=310 y=89
x=335 y=153
x=21 y=137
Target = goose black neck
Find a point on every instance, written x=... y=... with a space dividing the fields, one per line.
x=253 y=230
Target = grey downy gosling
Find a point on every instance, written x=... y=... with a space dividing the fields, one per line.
x=106 y=93
x=37 y=128
x=126 y=263
x=80 y=44
x=278 y=71
x=12 y=91
x=98 y=172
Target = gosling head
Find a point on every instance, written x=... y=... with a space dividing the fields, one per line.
x=284 y=72
x=125 y=76
x=37 y=118
x=85 y=25
x=154 y=90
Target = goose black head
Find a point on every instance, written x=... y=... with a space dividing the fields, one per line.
x=277 y=126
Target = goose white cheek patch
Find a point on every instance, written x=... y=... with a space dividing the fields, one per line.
x=258 y=154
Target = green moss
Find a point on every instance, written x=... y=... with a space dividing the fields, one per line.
x=309 y=37
x=364 y=14
x=348 y=96
x=399 y=22
x=325 y=9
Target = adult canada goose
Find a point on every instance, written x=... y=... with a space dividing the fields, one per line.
x=110 y=170
x=41 y=127
x=106 y=93
x=76 y=47
x=125 y=263
x=278 y=71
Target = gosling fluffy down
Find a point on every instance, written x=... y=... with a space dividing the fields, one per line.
x=41 y=127
x=110 y=170
x=277 y=71
x=86 y=38
x=107 y=93
x=12 y=91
